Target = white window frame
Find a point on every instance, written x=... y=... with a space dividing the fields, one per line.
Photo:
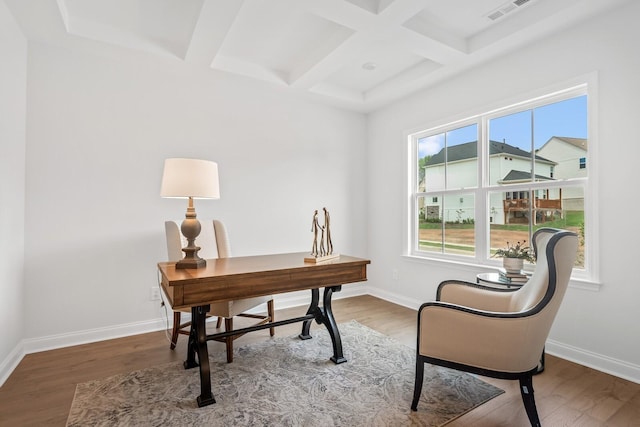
x=588 y=277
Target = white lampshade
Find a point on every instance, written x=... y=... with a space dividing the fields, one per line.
x=190 y=178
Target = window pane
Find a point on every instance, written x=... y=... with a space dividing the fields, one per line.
x=510 y=148
x=560 y=131
x=447 y=224
x=459 y=228
x=563 y=208
x=511 y=212
x=430 y=170
x=462 y=157
x=449 y=160
x=429 y=224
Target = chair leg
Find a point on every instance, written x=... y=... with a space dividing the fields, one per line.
x=270 y=312
x=228 y=326
x=417 y=387
x=176 y=329
x=526 y=389
x=219 y=322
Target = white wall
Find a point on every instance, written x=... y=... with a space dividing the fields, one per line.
x=99 y=131
x=596 y=328
x=13 y=90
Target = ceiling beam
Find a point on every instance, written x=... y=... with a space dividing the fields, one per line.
x=369 y=27
x=214 y=22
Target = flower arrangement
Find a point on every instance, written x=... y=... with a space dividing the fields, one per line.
x=519 y=250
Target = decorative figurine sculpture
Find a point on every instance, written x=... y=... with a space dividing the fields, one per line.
x=324 y=250
x=315 y=225
x=327 y=220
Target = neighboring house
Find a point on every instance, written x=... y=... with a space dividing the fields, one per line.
x=508 y=165
x=570 y=155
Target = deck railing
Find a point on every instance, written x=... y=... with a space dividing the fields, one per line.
x=546 y=209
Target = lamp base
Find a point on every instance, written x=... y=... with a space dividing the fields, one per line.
x=191 y=263
x=191 y=229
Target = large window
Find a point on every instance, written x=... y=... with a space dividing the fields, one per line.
x=481 y=182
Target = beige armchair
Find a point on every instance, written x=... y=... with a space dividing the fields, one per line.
x=214 y=243
x=498 y=333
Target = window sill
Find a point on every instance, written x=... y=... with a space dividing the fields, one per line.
x=585 y=284
x=574 y=283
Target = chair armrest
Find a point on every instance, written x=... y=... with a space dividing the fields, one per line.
x=474 y=295
x=499 y=341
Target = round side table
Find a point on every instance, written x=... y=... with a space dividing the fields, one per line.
x=494 y=279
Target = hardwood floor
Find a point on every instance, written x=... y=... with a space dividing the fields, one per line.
x=41 y=389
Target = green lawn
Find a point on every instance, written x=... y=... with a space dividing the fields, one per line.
x=571 y=219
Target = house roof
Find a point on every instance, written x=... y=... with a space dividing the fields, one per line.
x=576 y=142
x=515 y=175
x=469 y=150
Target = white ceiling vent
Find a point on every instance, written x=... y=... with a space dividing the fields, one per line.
x=495 y=15
x=506 y=8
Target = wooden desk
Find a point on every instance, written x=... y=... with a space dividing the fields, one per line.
x=233 y=278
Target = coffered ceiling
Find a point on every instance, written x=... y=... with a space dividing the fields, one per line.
x=358 y=54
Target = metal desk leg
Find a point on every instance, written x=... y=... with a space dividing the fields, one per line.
x=198 y=343
x=324 y=315
x=313 y=309
x=330 y=322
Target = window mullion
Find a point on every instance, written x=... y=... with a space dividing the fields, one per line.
x=482 y=220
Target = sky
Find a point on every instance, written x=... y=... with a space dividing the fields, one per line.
x=565 y=118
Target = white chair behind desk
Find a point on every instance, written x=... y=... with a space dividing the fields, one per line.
x=214 y=243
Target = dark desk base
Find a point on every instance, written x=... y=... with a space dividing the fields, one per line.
x=198 y=336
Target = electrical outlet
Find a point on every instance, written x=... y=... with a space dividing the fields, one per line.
x=395 y=274
x=154 y=294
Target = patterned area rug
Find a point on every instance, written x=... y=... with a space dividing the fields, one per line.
x=286 y=381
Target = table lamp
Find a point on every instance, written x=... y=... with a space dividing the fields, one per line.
x=192 y=179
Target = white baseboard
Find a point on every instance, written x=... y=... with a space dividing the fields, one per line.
x=10 y=363
x=52 y=342
x=618 y=368
x=599 y=362
x=411 y=303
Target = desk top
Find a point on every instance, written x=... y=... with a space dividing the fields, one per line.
x=225 y=279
